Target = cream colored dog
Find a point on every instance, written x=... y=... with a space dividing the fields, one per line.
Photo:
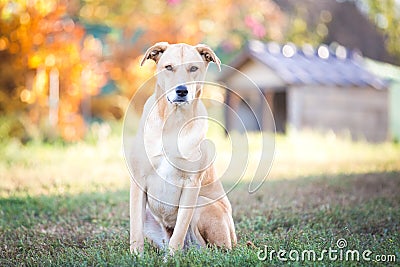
x=176 y=199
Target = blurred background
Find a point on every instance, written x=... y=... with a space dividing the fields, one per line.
x=329 y=71
x=68 y=68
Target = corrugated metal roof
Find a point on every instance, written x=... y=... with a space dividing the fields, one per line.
x=333 y=65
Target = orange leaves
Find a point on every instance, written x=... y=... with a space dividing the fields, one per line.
x=3 y=43
x=36 y=38
x=40 y=36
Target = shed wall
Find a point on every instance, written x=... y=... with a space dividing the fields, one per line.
x=363 y=112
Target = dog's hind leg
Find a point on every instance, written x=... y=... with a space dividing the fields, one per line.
x=154 y=231
x=214 y=225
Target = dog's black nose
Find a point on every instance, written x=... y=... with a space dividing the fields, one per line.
x=181 y=90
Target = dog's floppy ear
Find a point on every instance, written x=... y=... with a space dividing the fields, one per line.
x=208 y=55
x=154 y=52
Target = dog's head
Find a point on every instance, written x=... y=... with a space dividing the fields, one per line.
x=181 y=68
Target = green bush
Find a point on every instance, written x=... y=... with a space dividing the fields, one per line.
x=11 y=127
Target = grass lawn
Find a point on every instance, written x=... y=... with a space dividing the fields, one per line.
x=68 y=205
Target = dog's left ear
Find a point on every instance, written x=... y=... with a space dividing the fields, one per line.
x=208 y=55
x=155 y=52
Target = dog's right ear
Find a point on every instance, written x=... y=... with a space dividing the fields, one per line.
x=154 y=52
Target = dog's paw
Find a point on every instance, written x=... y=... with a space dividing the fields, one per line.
x=172 y=248
x=171 y=252
x=137 y=248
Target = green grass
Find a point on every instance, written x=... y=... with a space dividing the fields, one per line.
x=68 y=205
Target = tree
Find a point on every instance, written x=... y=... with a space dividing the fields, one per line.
x=386 y=15
x=51 y=66
x=48 y=66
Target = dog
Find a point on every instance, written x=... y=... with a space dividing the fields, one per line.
x=176 y=199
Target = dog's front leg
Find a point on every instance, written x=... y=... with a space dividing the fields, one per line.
x=137 y=216
x=187 y=204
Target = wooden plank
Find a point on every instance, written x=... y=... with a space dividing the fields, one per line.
x=362 y=111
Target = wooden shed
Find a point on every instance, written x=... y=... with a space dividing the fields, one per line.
x=326 y=88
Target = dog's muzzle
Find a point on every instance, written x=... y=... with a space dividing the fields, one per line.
x=181 y=92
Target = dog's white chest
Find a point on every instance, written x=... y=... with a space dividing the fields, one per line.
x=166 y=171
x=164 y=190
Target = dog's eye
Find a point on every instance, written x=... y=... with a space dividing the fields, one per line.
x=193 y=68
x=168 y=67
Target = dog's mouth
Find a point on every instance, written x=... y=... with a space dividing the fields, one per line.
x=178 y=101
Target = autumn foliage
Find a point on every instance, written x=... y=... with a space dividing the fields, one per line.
x=52 y=66
x=65 y=62
x=48 y=66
